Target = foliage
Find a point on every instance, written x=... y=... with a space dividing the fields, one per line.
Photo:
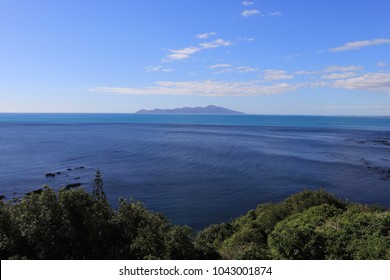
x=358 y=235
x=73 y=224
x=307 y=225
x=210 y=239
x=296 y=236
x=98 y=191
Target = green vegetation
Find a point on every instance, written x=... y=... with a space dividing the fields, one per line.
x=98 y=191
x=72 y=224
x=307 y=225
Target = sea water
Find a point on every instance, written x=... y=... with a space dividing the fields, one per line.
x=198 y=169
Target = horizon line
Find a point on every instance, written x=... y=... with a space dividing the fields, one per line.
x=243 y=114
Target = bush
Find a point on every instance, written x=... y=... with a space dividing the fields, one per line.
x=73 y=224
x=296 y=237
x=306 y=225
x=209 y=240
x=357 y=235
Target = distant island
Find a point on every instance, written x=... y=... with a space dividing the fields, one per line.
x=211 y=109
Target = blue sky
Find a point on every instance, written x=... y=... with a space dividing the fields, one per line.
x=260 y=57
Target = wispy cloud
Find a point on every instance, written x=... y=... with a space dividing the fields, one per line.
x=205 y=35
x=182 y=53
x=342 y=75
x=224 y=65
x=223 y=70
x=247 y=13
x=305 y=72
x=271 y=75
x=359 y=44
x=347 y=77
x=215 y=44
x=226 y=68
x=378 y=82
x=248 y=39
x=204 y=88
x=381 y=64
x=347 y=68
x=336 y=69
x=246 y=69
x=245 y=39
x=185 y=53
x=158 y=68
x=247 y=3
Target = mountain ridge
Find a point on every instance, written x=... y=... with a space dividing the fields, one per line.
x=210 y=109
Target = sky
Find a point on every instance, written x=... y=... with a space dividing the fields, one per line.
x=294 y=57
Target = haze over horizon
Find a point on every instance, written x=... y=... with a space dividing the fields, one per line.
x=258 y=57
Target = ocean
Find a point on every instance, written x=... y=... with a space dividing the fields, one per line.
x=198 y=169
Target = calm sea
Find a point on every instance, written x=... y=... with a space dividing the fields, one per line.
x=198 y=169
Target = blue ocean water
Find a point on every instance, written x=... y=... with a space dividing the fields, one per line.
x=198 y=169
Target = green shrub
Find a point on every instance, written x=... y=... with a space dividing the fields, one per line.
x=75 y=225
x=210 y=239
x=358 y=235
x=296 y=237
x=72 y=224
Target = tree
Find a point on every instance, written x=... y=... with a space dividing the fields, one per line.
x=297 y=237
x=359 y=233
x=98 y=191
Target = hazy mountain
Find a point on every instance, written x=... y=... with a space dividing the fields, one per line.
x=191 y=110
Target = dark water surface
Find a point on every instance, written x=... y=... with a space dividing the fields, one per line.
x=198 y=170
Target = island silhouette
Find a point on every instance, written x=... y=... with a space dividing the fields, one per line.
x=211 y=109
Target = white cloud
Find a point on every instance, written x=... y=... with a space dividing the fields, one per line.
x=204 y=88
x=348 y=68
x=342 y=75
x=182 y=53
x=271 y=75
x=205 y=35
x=245 y=39
x=336 y=71
x=304 y=72
x=215 y=44
x=223 y=70
x=360 y=44
x=381 y=64
x=185 y=53
x=246 y=69
x=378 y=82
x=226 y=68
x=248 y=39
x=247 y=3
x=219 y=66
x=158 y=68
x=275 y=14
x=247 y=13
